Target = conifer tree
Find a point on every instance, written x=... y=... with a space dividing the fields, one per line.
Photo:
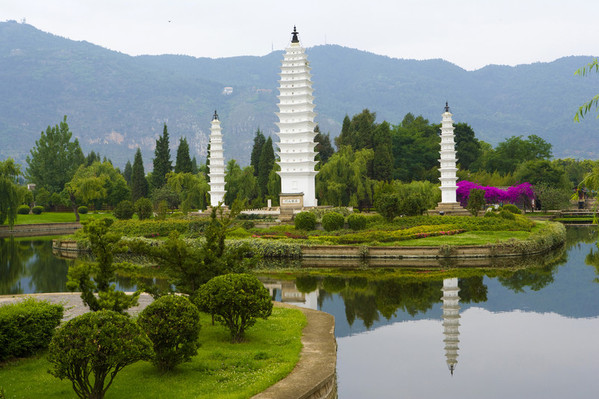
x=139 y=184
x=127 y=173
x=267 y=161
x=194 y=166
x=259 y=141
x=323 y=146
x=183 y=163
x=162 y=160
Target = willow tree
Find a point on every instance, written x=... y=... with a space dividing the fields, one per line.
x=593 y=102
x=9 y=191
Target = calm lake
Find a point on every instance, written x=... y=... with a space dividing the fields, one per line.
x=530 y=333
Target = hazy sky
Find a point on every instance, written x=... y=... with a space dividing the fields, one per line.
x=469 y=33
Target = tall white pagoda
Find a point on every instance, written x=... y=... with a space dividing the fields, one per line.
x=296 y=128
x=448 y=168
x=217 y=163
x=451 y=321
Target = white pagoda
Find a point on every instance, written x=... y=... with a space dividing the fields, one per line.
x=451 y=321
x=217 y=163
x=448 y=168
x=296 y=128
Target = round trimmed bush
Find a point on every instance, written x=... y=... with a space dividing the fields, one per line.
x=82 y=209
x=305 y=221
x=124 y=210
x=23 y=210
x=355 y=221
x=512 y=208
x=332 y=221
x=507 y=214
x=37 y=210
x=235 y=301
x=144 y=208
x=91 y=349
x=172 y=323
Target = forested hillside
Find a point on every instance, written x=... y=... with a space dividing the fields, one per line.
x=115 y=102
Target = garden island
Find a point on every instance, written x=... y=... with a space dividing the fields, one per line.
x=205 y=243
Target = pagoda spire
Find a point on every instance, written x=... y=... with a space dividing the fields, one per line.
x=215 y=117
x=294 y=39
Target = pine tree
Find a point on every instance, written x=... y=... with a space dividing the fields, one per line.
x=323 y=146
x=162 y=160
x=267 y=161
x=183 y=163
x=194 y=166
x=127 y=173
x=259 y=141
x=382 y=164
x=139 y=184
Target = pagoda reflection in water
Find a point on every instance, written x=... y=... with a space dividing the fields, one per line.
x=451 y=321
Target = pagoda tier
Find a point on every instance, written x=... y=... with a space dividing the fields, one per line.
x=448 y=160
x=296 y=125
x=217 y=164
x=451 y=321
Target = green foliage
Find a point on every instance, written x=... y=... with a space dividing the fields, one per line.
x=162 y=160
x=266 y=164
x=236 y=300
x=128 y=172
x=9 y=191
x=381 y=236
x=388 y=205
x=91 y=349
x=27 y=326
x=139 y=183
x=468 y=223
x=410 y=199
x=512 y=208
x=306 y=284
x=124 y=210
x=259 y=141
x=356 y=221
x=513 y=151
x=551 y=197
x=332 y=221
x=476 y=200
x=467 y=146
x=183 y=160
x=157 y=227
x=192 y=190
x=305 y=221
x=240 y=183
x=23 y=210
x=172 y=323
x=143 y=208
x=82 y=210
x=323 y=148
x=54 y=158
x=542 y=171
x=593 y=102
x=270 y=249
x=506 y=214
x=99 y=277
x=37 y=210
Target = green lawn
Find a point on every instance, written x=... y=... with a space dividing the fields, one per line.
x=221 y=369
x=57 y=217
x=467 y=238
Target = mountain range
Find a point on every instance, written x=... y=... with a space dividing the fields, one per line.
x=115 y=102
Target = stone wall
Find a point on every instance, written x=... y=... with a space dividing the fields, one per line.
x=42 y=229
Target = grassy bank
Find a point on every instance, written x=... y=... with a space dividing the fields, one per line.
x=57 y=217
x=221 y=369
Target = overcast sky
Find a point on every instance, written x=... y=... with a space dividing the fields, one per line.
x=469 y=33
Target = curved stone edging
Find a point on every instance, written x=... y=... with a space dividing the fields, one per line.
x=314 y=376
x=40 y=229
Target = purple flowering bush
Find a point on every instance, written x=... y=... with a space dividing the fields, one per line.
x=522 y=194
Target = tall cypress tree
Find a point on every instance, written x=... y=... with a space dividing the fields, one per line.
x=127 y=173
x=323 y=146
x=259 y=141
x=162 y=160
x=139 y=183
x=267 y=162
x=183 y=163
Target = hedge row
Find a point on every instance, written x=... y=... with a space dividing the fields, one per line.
x=153 y=228
x=550 y=235
x=26 y=327
x=468 y=223
x=389 y=236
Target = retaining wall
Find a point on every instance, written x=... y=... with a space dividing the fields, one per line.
x=41 y=229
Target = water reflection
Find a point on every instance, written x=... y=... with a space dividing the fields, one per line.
x=451 y=321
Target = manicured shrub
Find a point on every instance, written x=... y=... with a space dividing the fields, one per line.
x=355 y=221
x=388 y=206
x=332 y=221
x=91 y=349
x=124 y=210
x=144 y=208
x=305 y=221
x=512 y=208
x=82 y=210
x=236 y=301
x=23 y=210
x=172 y=323
x=37 y=210
x=26 y=327
x=507 y=214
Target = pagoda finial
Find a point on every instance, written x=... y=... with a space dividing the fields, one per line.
x=215 y=117
x=294 y=39
x=446 y=106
